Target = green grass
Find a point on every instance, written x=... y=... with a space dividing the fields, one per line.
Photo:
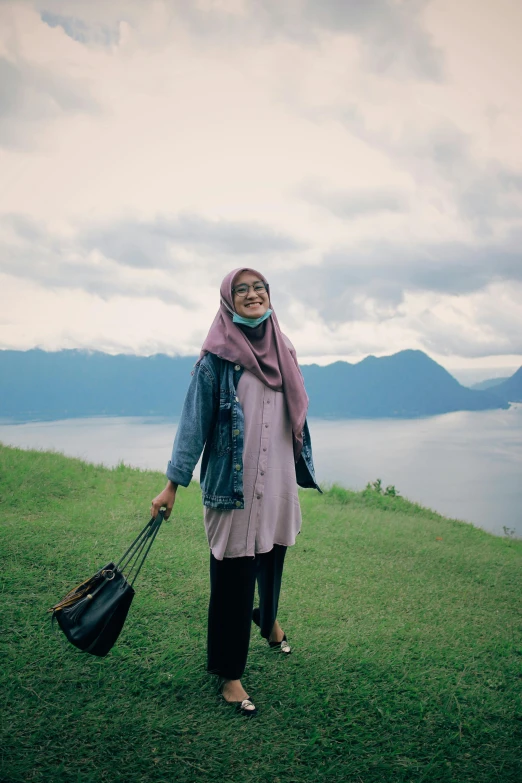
x=406 y=630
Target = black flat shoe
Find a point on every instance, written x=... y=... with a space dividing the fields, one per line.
x=246 y=707
x=282 y=645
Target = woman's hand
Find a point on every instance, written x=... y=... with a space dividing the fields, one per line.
x=164 y=500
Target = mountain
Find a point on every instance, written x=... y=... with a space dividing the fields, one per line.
x=488 y=384
x=511 y=389
x=407 y=384
x=68 y=384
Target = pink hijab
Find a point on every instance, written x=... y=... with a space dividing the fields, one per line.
x=263 y=351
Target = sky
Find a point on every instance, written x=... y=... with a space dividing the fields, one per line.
x=364 y=155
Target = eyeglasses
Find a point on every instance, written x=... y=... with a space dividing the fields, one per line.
x=243 y=289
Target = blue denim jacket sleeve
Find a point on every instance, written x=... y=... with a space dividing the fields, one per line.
x=197 y=418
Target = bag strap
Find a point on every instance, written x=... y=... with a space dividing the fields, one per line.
x=136 y=554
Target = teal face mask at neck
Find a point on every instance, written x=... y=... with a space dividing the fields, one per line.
x=252 y=322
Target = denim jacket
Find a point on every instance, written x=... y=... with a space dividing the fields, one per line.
x=212 y=421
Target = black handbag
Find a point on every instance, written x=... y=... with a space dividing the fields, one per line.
x=93 y=613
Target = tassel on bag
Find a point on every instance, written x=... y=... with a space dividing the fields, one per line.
x=92 y=614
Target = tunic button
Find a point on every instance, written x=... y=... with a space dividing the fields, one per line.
x=238 y=504
x=238 y=467
x=237 y=367
x=262 y=472
x=266 y=425
x=235 y=432
x=259 y=497
x=268 y=402
x=264 y=449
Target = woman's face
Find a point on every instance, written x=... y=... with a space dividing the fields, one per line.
x=255 y=303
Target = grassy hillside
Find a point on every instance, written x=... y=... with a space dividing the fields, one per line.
x=406 y=631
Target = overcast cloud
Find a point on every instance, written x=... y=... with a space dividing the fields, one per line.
x=364 y=155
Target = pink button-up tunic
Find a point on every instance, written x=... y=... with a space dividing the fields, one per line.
x=272 y=514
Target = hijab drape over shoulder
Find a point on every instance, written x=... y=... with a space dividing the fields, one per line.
x=263 y=351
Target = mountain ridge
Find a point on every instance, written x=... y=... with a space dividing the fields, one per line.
x=489 y=383
x=511 y=389
x=77 y=383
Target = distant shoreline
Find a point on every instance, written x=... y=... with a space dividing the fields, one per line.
x=410 y=417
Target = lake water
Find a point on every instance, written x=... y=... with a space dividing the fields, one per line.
x=466 y=465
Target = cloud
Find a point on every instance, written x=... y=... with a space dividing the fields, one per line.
x=352 y=203
x=482 y=324
x=375 y=298
x=395 y=38
x=56 y=318
x=81 y=31
x=493 y=193
x=31 y=94
x=30 y=251
x=482 y=189
x=90 y=273
x=118 y=258
x=370 y=281
x=150 y=244
x=488 y=323
x=392 y=35
x=330 y=143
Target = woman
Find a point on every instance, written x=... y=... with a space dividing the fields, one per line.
x=246 y=410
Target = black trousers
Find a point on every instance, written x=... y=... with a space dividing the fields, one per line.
x=232 y=590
